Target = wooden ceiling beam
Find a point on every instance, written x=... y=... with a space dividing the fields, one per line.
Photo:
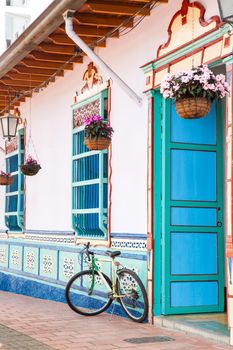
x=15 y=83
x=83 y=30
x=61 y=39
x=47 y=57
x=118 y=8
x=59 y=49
x=9 y=91
x=103 y=20
x=29 y=62
x=38 y=71
x=5 y=98
x=29 y=77
x=3 y=105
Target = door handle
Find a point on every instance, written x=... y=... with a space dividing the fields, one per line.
x=219 y=223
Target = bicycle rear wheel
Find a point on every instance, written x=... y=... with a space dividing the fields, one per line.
x=84 y=299
x=133 y=296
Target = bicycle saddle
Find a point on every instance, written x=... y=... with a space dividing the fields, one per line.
x=112 y=254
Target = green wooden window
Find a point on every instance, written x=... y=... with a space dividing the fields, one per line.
x=89 y=174
x=14 y=204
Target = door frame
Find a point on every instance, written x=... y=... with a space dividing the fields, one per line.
x=160 y=108
x=166 y=222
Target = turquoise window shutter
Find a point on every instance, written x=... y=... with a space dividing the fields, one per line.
x=14 y=205
x=90 y=175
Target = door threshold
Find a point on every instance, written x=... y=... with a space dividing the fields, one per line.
x=210 y=326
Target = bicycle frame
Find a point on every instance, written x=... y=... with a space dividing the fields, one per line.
x=95 y=268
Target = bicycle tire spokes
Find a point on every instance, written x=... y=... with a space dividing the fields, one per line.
x=87 y=294
x=132 y=295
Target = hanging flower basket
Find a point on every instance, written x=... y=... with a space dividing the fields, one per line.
x=31 y=167
x=6 y=179
x=193 y=108
x=98 y=133
x=193 y=90
x=98 y=144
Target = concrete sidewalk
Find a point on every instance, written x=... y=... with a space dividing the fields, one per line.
x=28 y=323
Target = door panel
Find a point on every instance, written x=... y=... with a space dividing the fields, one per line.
x=193 y=253
x=192 y=213
x=193 y=175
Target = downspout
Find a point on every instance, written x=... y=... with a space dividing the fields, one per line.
x=68 y=17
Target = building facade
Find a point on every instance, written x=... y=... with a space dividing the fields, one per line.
x=163 y=195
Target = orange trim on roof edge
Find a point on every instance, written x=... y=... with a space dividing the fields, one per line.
x=183 y=12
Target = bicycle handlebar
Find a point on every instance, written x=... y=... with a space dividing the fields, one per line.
x=87 y=251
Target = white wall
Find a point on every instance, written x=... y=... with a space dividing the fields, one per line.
x=49 y=193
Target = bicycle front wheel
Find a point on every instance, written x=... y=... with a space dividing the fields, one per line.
x=132 y=295
x=88 y=294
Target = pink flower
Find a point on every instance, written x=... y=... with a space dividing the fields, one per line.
x=31 y=161
x=185 y=79
x=197 y=82
x=91 y=119
x=5 y=174
x=220 y=77
x=211 y=87
x=197 y=77
x=176 y=87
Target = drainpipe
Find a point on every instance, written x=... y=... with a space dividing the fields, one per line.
x=68 y=17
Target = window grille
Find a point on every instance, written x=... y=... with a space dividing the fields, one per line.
x=14 y=205
x=90 y=174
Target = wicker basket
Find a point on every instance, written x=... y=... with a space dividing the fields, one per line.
x=30 y=169
x=6 y=180
x=193 y=108
x=97 y=144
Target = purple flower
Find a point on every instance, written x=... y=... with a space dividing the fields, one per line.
x=5 y=174
x=91 y=119
x=96 y=126
x=31 y=161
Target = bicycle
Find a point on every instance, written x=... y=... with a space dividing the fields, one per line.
x=91 y=292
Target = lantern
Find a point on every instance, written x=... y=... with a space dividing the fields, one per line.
x=9 y=123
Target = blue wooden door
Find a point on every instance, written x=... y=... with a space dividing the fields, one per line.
x=192 y=213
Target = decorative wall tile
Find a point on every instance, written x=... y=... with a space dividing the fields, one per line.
x=16 y=257
x=128 y=244
x=43 y=261
x=138 y=266
x=4 y=255
x=91 y=108
x=31 y=260
x=50 y=239
x=48 y=263
x=69 y=265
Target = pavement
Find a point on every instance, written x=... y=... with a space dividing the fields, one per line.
x=36 y=324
